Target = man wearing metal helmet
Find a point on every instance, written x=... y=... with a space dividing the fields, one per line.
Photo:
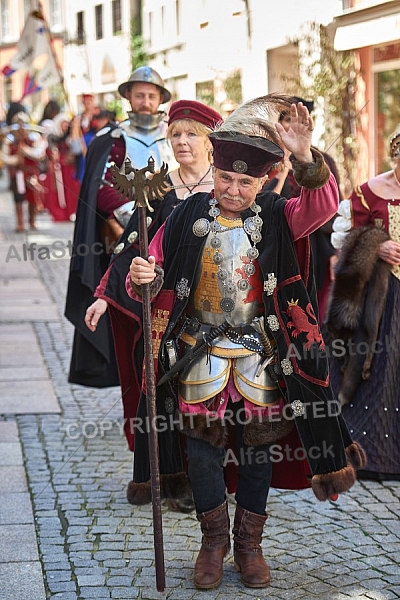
x=22 y=150
x=97 y=229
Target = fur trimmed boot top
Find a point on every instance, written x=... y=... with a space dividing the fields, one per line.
x=248 y=558
x=215 y=546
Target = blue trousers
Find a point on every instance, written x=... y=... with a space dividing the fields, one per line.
x=206 y=471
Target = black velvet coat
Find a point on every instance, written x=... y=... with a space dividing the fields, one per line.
x=93 y=360
x=323 y=434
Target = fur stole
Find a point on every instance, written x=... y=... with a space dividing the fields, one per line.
x=356 y=304
x=175 y=485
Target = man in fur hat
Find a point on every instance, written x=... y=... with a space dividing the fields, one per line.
x=97 y=229
x=230 y=272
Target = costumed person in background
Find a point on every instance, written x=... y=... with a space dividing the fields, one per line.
x=97 y=230
x=102 y=119
x=89 y=111
x=23 y=150
x=51 y=110
x=233 y=274
x=61 y=183
x=189 y=125
x=87 y=130
x=364 y=317
x=283 y=182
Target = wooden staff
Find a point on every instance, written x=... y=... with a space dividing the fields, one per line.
x=145 y=188
x=151 y=411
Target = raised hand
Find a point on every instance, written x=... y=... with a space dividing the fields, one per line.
x=297 y=138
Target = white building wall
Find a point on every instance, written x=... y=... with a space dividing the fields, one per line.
x=213 y=38
x=98 y=66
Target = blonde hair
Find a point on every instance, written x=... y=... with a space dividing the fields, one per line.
x=198 y=128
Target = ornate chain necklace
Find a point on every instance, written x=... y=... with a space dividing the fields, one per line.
x=194 y=185
x=252 y=227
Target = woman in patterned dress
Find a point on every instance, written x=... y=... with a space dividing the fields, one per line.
x=364 y=318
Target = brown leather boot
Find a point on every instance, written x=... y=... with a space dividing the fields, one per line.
x=247 y=554
x=215 y=546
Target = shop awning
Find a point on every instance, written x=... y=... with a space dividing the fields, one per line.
x=368 y=33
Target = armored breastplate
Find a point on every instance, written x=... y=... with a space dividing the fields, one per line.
x=140 y=145
x=239 y=349
x=211 y=289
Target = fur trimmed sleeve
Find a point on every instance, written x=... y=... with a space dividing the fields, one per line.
x=312 y=175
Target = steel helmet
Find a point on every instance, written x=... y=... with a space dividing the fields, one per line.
x=145 y=75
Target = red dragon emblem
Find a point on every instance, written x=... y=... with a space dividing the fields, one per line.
x=301 y=324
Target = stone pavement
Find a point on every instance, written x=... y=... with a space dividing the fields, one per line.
x=66 y=530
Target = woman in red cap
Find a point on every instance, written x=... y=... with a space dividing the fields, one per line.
x=190 y=123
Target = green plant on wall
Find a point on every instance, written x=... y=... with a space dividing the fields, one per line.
x=329 y=77
x=139 y=57
x=116 y=106
x=233 y=87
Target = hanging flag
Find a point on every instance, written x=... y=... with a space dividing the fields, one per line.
x=34 y=52
x=30 y=87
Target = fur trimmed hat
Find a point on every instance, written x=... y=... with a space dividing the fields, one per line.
x=239 y=153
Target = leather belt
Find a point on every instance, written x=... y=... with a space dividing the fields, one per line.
x=244 y=335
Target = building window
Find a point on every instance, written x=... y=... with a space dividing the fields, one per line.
x=205 y=92
x=8 y=90
x=387 y=90
x=80 y=27
x=177 y=16
x=5 y=19
x=116 y=16
x=162 y=20
x=55 y=14
x=98 y=9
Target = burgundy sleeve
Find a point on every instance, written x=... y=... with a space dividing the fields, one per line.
x=312 y=208
x=108 y=199
x=156 y=250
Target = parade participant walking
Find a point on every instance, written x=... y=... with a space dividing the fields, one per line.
x=225 y=261
x=142 y=135
x=189 y=125
x=22 y=151
x=51 y=110
x=364 y=317
x=85 y=123
x=61 y=181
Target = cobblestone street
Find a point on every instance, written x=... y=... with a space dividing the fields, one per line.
x=68 y=533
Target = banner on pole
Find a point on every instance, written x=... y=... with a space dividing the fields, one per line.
x=35 y=53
